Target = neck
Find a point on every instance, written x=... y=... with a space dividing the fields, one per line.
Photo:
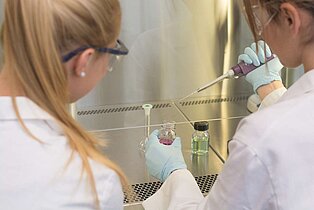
x=308 y=57
x=6 y=85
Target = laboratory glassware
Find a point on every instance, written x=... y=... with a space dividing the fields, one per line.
x=147 y=108
x=200 y=138
x=236 y=71
x=167 y=133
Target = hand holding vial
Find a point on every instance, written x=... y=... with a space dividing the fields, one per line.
x=162 y=159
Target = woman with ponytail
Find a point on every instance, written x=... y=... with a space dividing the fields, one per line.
x=270 y=162
x=55 y=51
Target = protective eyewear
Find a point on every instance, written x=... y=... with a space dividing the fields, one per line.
x=115 y=53
x=259 y=17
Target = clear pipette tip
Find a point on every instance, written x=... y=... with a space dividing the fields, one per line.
x=188 y=96
x=228 y=74
x=147 y=108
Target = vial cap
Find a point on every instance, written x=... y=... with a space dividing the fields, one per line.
x=201 y=125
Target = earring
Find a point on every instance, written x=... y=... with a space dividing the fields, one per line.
x=82 y=74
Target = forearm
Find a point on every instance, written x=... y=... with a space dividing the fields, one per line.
x=264 y=90
x=179 y=191
x=272 y=97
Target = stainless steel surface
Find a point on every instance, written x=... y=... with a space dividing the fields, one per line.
x=223 y=114
x=221 y=131
x=175 y=46
x=134 y=207
x=123 y=128
x=140 y=192
x=289 y=76
x=125 y=116
x=123 y=148
x=132 y=115
x=204 y=108
x=229 y=74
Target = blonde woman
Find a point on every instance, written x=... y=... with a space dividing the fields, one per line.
x=55 y=51
x=270 y=164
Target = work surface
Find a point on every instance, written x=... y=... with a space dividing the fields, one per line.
x=122 y=127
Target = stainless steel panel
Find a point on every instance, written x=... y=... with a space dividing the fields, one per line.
x=205 y=108
x=223 y=113
x=290 y=75
x=123 y=128
x=221 y=131
x=175 y=47
x=123 y=148
x=134 y=207
x=143 y=191
x=132 y=115
x=126 y=116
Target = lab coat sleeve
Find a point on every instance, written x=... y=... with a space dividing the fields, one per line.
x=179 y=191
x=112 y=196
x=272 y=97
x=243 y=184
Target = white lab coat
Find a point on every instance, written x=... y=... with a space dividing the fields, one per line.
x=33 y=174
x=270 y=165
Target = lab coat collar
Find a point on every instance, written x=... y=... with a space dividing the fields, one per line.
x=303 y=85
x=28 y=110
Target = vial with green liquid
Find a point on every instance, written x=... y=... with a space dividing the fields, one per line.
x=200 y=138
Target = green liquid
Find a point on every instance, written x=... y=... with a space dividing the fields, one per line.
x=199 y=145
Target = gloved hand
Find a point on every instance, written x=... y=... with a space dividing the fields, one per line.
x=162 y=159
x=264 y=74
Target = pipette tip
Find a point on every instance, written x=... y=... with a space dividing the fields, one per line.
x=188 y=96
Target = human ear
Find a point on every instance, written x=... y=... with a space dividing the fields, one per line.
x=80 y=66
x=291 y=17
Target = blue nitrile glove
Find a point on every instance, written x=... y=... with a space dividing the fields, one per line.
x=264 y=74
x=162 y=159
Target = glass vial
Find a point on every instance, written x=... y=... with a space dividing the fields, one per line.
x=167 y=133
x=200 y=138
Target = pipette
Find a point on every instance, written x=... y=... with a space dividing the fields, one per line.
x=237 y=71
x=147 y=108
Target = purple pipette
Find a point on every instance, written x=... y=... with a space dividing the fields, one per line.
x=238 y=70
x=242 y=68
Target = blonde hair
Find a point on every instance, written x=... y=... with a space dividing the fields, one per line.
x=35 y=34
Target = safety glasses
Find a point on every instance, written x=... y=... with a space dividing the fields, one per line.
x=115 y=53
x=262 y=18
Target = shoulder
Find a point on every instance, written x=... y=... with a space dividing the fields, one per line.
x=107 y=182
x=268 y=123
x=108 y=186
